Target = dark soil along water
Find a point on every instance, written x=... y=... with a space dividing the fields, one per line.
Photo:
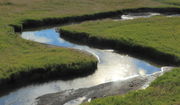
x=112 y=66
x=75 y=97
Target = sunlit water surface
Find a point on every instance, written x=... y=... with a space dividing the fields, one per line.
x=111 y=67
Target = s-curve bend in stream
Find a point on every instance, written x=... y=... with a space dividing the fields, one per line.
x=112 y=66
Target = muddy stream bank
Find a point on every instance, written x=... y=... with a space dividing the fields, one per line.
x=129 y=73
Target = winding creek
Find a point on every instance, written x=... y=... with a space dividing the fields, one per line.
x=112 y=66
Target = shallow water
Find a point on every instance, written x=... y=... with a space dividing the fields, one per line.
x=112 y=66
x=131 y=16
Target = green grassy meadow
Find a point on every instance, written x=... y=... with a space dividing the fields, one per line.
x=17 y=11
x=17 y=54
x=160 y=33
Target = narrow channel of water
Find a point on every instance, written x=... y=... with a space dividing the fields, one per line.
x=112 y=66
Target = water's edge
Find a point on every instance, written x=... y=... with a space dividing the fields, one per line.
x=112 y=66
x=63 y=72
x=147 y=53
x=28 y=24
x=75 y=97
x=47 y=22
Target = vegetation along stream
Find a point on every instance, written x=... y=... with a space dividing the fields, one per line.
x=112 y=66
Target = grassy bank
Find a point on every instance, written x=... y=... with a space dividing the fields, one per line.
x=27 y=59
x=31 y=57
x=159 y=33
x=156 y=37
x=18 y=11
x=18 y=55
x=163 y=91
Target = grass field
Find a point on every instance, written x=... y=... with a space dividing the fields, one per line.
x=17 y=54
x=160 y=33
x=37 y=9
x=171 y=2
x=163 y=91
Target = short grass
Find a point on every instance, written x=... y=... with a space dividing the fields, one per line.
x=15 y=11
x=172 y=2
x=17 y=54
x=163 y=91
x=160 y=33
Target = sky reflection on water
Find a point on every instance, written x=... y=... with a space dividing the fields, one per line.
x=111 y=67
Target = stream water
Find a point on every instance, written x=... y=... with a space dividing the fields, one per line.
x=112 y=66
